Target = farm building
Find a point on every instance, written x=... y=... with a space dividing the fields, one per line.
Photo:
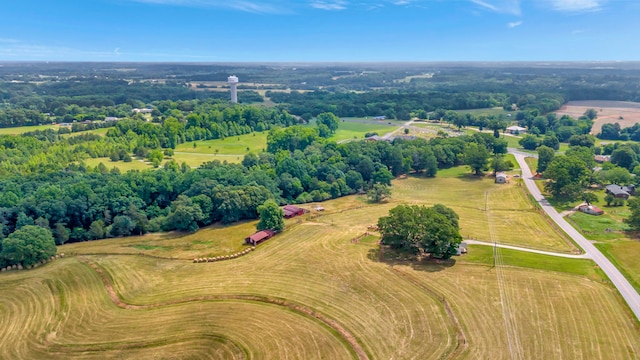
x=515 y=130
x=501 y=178
x=590 y=209
x=259 y=237
x=621 y=192
x=602 y=158
x=462 y=249
x=292 y=211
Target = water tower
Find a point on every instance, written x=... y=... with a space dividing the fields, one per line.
x=233 y=83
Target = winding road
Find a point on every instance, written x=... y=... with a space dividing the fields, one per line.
x=627 y=291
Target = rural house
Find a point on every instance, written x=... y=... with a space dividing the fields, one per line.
x=621 y=192
x=590 y=209
x=515 y=130
x=501 y=178
x=259 y=237
x=292 y=211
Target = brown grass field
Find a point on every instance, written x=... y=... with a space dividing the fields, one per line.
x=609 y=112
x=313 y=293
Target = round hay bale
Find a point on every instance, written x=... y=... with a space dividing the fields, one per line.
x=3 y=269
x=52 y=258
x=62 y=255
x=14 y=267
x=210 y=259
x=195 y=260
x=20 y=267
x=36 y=265
x=57 y=256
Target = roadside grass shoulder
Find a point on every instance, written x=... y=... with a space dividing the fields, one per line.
x=624 y=254
x=485 y=255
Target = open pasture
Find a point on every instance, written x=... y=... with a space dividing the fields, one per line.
x=23 y=129
x=310 y=292
x=356 y=130
x=622 y=112
x=121 y=165
x=233 y=145
x=480 y=203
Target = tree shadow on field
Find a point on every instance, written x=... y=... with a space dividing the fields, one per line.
x=386 y=255
x=471 y=177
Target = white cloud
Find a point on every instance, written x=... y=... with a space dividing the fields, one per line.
x=576 y=5
x=500 y=6
x=241 y=5
x=329 y=5
x=511 y=25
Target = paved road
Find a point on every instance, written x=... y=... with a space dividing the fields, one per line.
x=627 y=291
x=570 y=256
x=390 y=134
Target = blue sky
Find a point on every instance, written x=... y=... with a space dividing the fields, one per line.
x=319 y=30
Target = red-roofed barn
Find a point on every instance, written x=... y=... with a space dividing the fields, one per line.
x=292 y=211
x=259 y=237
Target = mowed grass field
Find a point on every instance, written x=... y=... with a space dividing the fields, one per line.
x=23 y=129
x=121 y=165
x=313 y=292
x=488 y=211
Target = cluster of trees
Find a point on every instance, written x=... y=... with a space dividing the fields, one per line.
x=42 y=151
x=572 y=172
x=27 y=246
x=562 y=128
x=415 y=229
x=614 y=132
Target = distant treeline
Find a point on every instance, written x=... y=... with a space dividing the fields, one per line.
x=401 y=104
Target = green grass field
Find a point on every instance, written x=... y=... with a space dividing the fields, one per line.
x=487 y=211
x=233 y=145
x=23 y=129
x=354 y=130
x=121 y=165
x=311 y=292
x=496 y=111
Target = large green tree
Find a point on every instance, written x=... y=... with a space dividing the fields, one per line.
x=329 y=120
x=476 y=156
x=634 y=219
x=545 y=155
x=271 y=216
x=379 y=192
x=413 y=228
x=28 y=245
x=567 y=175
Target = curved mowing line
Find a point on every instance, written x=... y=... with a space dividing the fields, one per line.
x=346 y=336
x=100 y=347
x=461 y=340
